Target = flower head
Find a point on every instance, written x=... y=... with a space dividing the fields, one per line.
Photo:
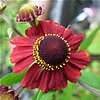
x=54 y=48
x=7 y=93
x=29 y=12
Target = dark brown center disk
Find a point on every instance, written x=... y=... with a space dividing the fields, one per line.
x=53 y=50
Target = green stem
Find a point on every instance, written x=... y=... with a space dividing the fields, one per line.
x=40 y=93
x=68 y=26
x=34 y=23
x=19 y=90
x=93 y=90
x=11 y=24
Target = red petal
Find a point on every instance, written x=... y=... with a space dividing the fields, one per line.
x=57 y=81
x=36 y=78
x=72 y=73
x=23 y=64
x=44 y=81
x=32 y=77
x=23 y=41
x=75 y=41
x=51 y=27
x=20 y=53
x=67 y=34
x=35 y=31
x=49 y=80
x=80 y=59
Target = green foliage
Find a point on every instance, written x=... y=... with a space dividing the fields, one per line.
x=88 y=96
x=22 y=28
x=58 y=95
x=86 y=43
x=94 y=47
x=12 y=78
x=44 y=96
x=67 y=92
x=90 y=79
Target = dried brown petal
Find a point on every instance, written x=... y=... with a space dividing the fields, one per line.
x=3 y=5
x=29 y=12
x=7 y=93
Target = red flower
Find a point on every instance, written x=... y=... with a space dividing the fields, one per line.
x=54 y=48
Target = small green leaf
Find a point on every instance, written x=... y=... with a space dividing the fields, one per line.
x=90 y=79
x=86 y=43
x=12 y=78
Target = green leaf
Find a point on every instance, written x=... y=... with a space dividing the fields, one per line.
x=22 y=28
x=86 y=43
x=45 y=96
x=12 y=78
x=90 y=79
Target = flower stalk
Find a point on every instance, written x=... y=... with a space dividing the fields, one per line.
x=68 y=26
x=19 y=90
x=93 y=90
x=11 y=24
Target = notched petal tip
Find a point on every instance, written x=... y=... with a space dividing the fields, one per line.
x=81 y=35
x=17 y=71
x=72 y=73
x=87 y=55
x=22 y=65
x=80 y=59
x=12 y=41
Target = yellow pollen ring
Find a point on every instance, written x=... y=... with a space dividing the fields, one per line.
x=41 y=62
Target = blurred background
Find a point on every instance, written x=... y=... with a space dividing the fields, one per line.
x=82 y=15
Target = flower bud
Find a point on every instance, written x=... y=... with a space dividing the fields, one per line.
x=3 y=5
x=7 y=93
x=29 y=12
